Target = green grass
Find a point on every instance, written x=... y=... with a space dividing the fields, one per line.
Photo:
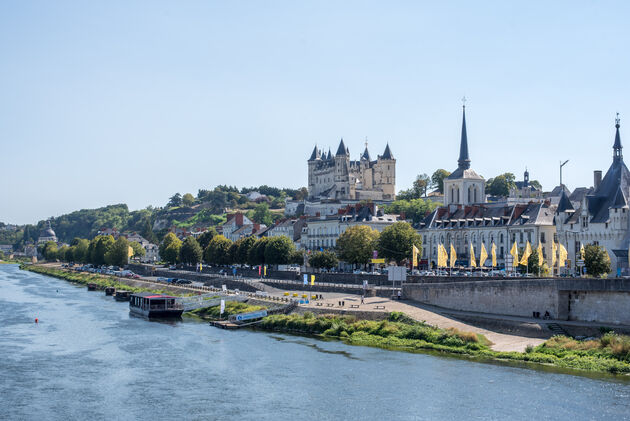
x=404 y=334
x=101 y=281
x=231 y=307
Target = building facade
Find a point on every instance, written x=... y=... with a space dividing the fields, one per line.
x=602 y=215
x=466 y=218
x=338 y=177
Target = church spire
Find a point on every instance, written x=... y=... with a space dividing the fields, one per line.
x=617 y=146
x=464 y=160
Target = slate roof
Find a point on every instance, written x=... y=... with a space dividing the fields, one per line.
x=366 y=154
x=315 y=154
x=388 y=153
x=341 y=150
x=463 y=163
x=564 y=204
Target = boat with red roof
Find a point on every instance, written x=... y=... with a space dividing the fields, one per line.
x=149 y=304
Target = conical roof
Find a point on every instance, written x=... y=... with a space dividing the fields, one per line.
x=341 y=150
x=464 y=160
x=366 y=154
x=388 y=153
x=564 y=204
x=314 y=155
x=620 y=199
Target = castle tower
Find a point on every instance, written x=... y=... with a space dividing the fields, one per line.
x=342 y=164
x=385 y=174
x=312 y=165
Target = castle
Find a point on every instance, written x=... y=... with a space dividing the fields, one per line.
x=337 y=177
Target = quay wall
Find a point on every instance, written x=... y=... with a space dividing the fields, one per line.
x=605 y=301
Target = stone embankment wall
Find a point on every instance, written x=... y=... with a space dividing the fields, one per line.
x=604 y=301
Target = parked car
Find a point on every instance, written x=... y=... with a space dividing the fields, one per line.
x=172 y=267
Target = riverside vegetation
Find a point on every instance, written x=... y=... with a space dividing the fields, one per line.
x=610 y=353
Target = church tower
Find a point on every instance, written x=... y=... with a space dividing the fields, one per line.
x=464 y=186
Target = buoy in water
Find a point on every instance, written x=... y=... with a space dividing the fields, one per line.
x=36 y=320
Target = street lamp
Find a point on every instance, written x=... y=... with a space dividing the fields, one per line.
x=562 y=164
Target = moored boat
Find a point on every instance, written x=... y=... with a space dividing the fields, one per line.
x=110 y=291
x=122 y=295
x=91 y=287
x=149 y=304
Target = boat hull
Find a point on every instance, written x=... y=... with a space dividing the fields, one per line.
x=157 y=314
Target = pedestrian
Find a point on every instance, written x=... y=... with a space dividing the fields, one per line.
x=399 y=294
x=362 y=302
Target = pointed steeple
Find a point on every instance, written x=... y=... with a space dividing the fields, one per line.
x=315 y=155
x=464 y=160
x=366 y=154
x=617 y=155
x=564 y=205
x=388 y=153
x=330 y=156
x=620 y=200
x=341 y=150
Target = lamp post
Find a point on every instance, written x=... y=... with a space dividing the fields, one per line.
x=562 y=164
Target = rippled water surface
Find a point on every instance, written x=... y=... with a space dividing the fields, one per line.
x=89 y=359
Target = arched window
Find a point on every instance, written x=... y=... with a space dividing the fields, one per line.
x=475 y=194
x=469 y=195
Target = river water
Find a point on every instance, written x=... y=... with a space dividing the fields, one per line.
x=87 y=358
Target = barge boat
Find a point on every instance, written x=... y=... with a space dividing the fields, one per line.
x=149 y=304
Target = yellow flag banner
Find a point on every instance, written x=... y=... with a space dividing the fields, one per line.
x=554 y=252
x=581 y=251
x=483 y=255
x=415 y=252
x=473 y=263
x=443 y=256
x=514 y=253
x=130 y=252
x=312 y=279
x=526 y=254
x=453 y=256
x=493 y=252
x=540 y=255
x=562 y=255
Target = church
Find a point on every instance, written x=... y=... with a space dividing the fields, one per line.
x=338 y=177
x=467 y=218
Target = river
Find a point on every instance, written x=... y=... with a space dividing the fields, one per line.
x=87 y=358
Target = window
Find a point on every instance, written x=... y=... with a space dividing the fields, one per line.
x=542 y=238
x=521 y=237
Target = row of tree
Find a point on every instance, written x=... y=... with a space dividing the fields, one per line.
x=102 y=249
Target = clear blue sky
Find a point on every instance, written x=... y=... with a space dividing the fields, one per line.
x=106 y=102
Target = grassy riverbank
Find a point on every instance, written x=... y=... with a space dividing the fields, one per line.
x=231 y=307
x=101 y=281
x=611 y=354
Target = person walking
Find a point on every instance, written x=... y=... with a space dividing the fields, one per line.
x=362 y=297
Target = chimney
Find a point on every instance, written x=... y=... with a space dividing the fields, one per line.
x=256 y=227
x=597 y=178
x=402 y=216
x=239 y=219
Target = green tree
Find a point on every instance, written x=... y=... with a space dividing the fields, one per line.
x=532 y=263
x=278 y=250
x=147 y=232
x=169 y=248
x=296 y=257
x=138 y=250
x=356 y=244
x=188 y=199
x=437 y=179
x=190 y=252
x=244 y=246
x=205 y=238
x=536 y=184
x=64 y=254
x=397 y=240
x=80 y=250
x=99 y=246
x=175 y=200
x=1 y=255
x=256 y=255
x=596 y=260
x=501 y=185
x=415 y=209
x=262 y=215
x=217 y=251
x=326 y=259
x=233 y=251
x=118 y=253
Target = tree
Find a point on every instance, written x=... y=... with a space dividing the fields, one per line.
x=118 y=253
x=326 y=259
x=262 y=215
x=256 y=255
x=175 y=200
x=244 y=247
x=99 y=246
x=80 y=248
x=233 y=251
x=190 y=252
x=397 y=240
x=188 y=199
x=437 y=179
x=532 y=263
x=138 y=250
x=64 y=254
x=536 y=184
x=500 y=185
x=415 y=209
x=296 y=257
x=356 y=244
x=147 y=232
x=420 y=185
x=169 y=248
x=217 y=251
x=204 y=239
x=1 y=255
x=278 y=250
x=596 y=260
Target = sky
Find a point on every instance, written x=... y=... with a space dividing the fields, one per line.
x=106 y=102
